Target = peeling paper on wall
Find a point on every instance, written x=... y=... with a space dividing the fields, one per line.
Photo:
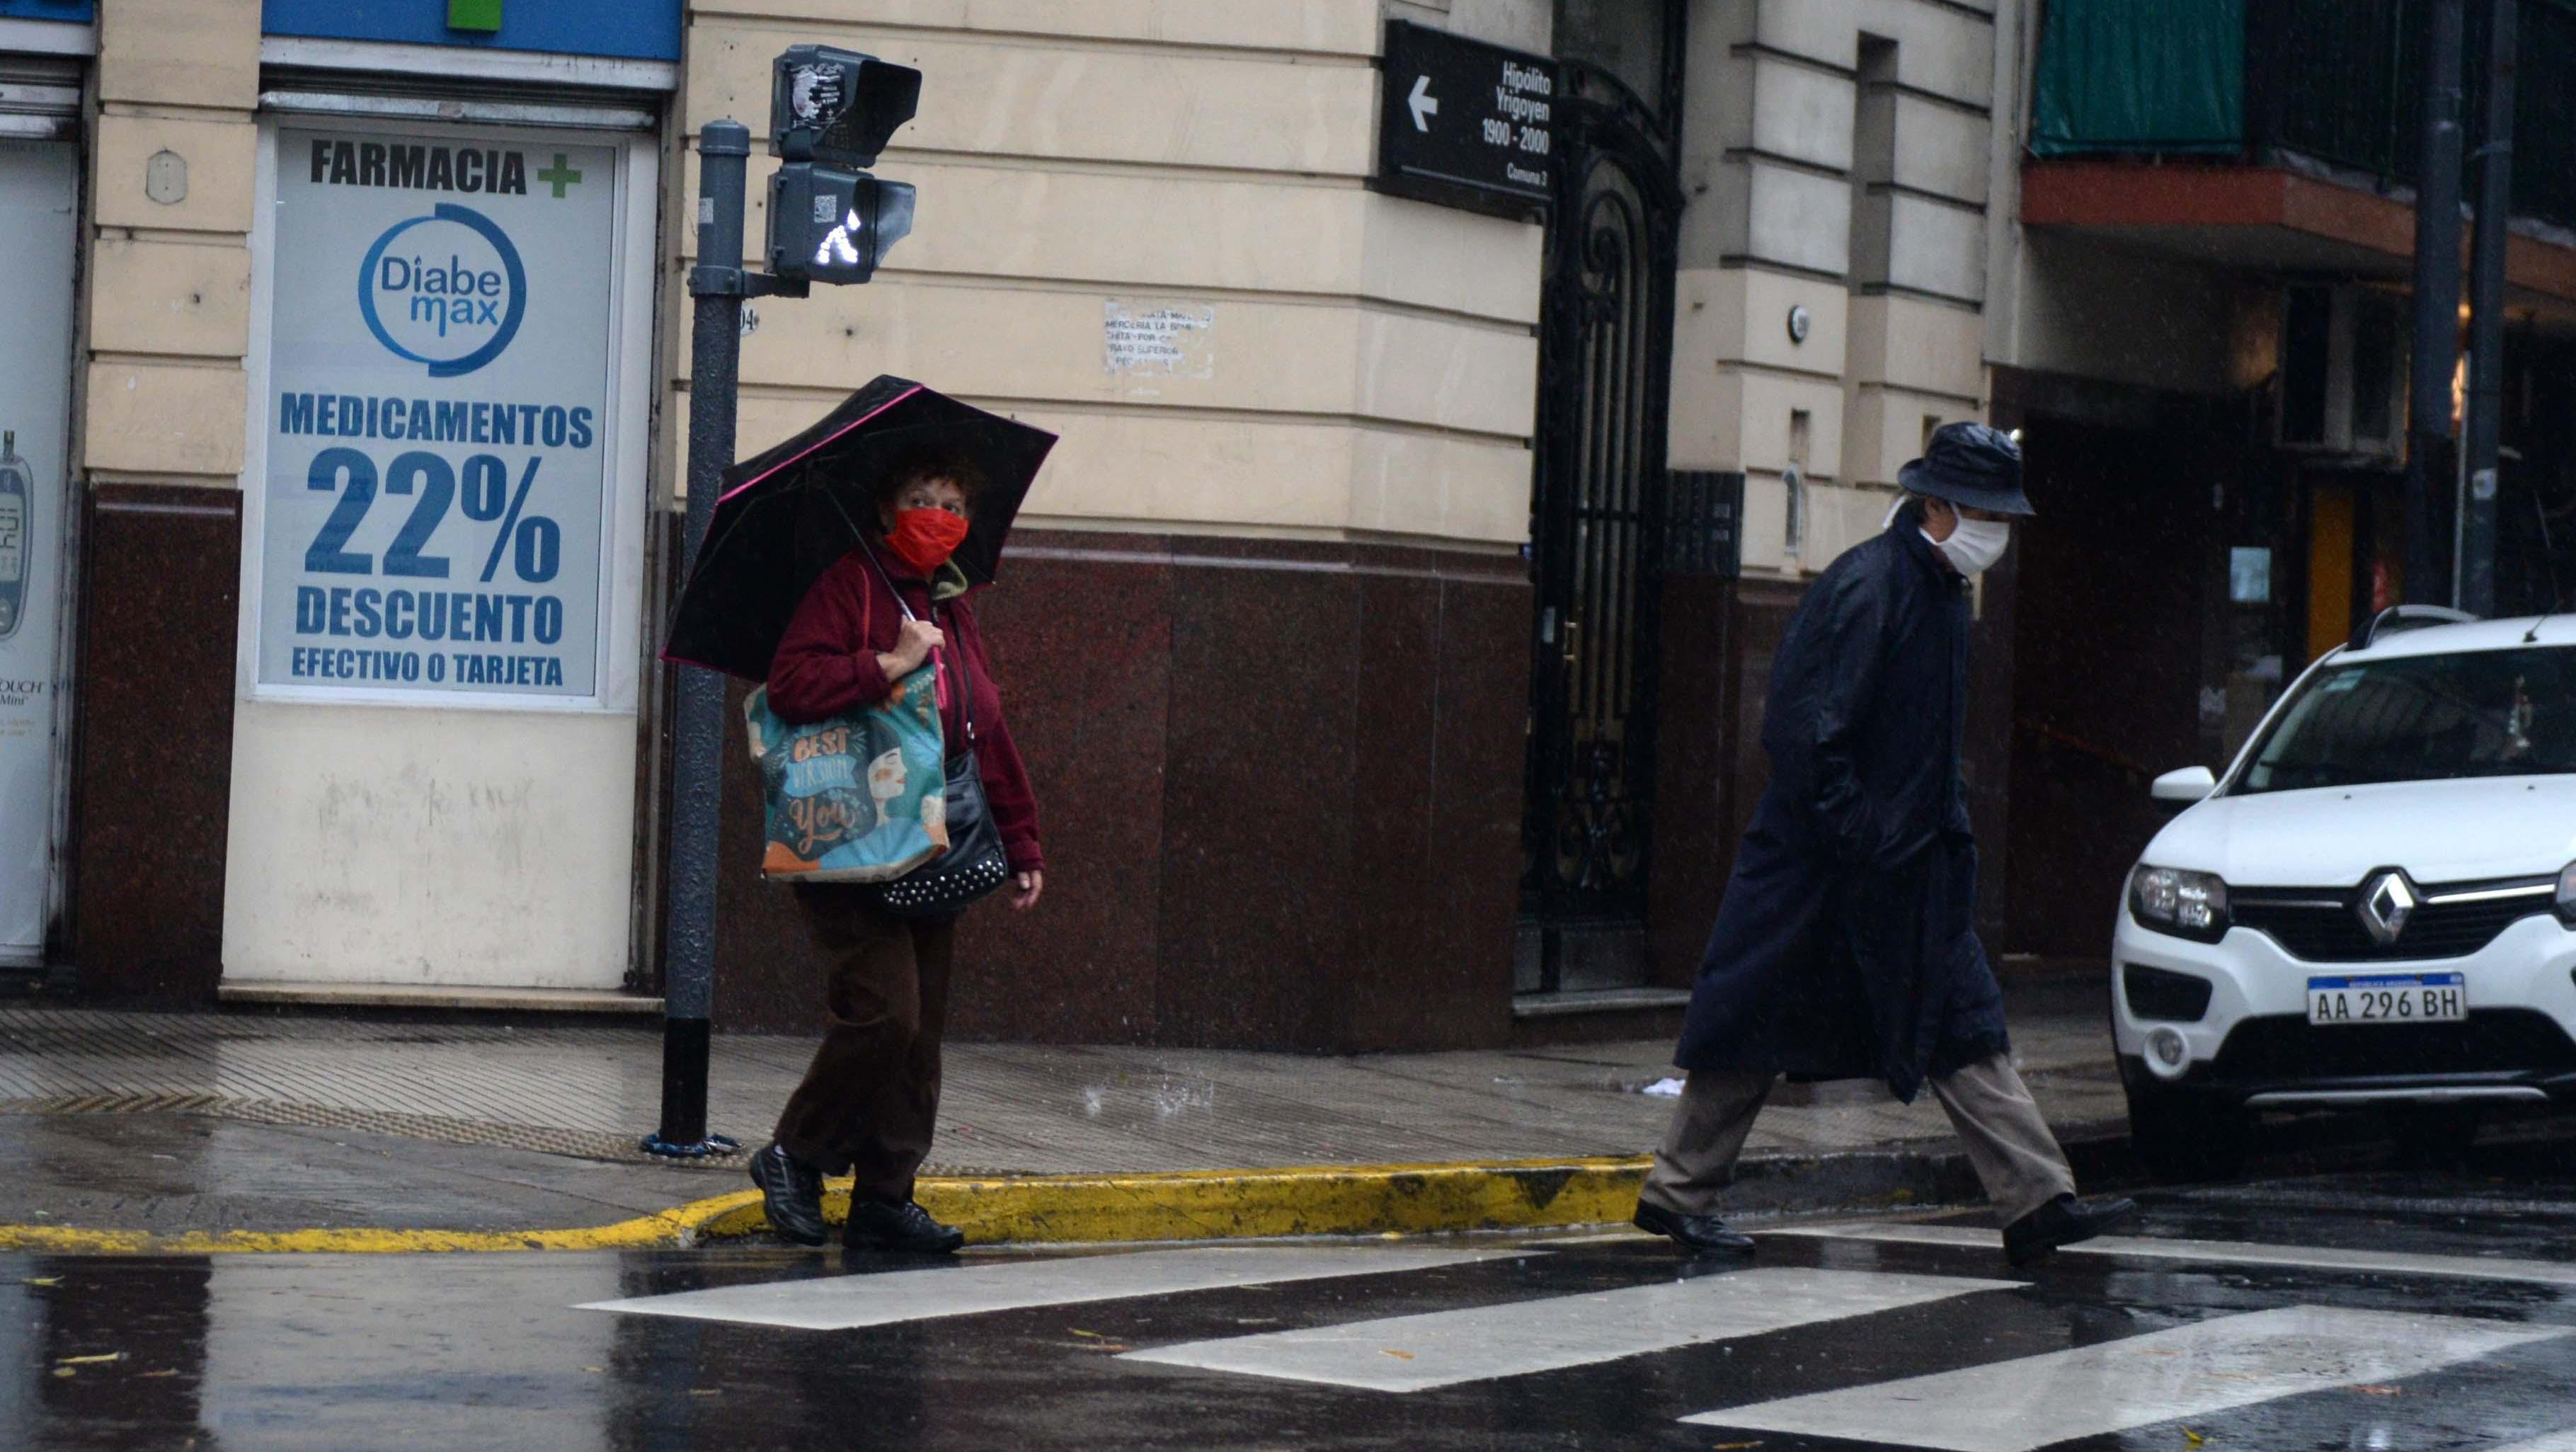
x=1157 y=340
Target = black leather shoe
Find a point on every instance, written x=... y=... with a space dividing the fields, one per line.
x=898 y=1225
x=1698 y=1234
x=2062 y=1221
x=791 y=1194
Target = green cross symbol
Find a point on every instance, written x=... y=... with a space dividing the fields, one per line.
x=559 y=175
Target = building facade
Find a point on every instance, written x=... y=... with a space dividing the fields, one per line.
x=1382 y=688
x=2200 y=322
x=363 y=446
x=1263 y=624
x=1838 y=163
x=1388 y=639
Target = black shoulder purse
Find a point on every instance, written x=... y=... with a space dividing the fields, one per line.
x=974 y=867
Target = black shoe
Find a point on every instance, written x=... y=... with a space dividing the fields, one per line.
x=2062 y=1221
x=897 y=1225
x=791 y=1194
x=1698 y=1234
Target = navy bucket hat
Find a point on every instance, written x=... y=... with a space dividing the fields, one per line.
x=1970 y=464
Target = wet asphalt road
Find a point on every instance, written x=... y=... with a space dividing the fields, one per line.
x=2399 y=1347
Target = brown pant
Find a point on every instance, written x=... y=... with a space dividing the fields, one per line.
x=2009 y=1145
x=870 y=1100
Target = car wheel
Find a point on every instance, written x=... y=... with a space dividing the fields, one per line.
x=2180 y=1137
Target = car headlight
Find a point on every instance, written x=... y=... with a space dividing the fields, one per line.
x=2567 y=895
x=2188 y=904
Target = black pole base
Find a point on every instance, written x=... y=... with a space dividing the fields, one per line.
x=711 y=1147
x=682 y=1133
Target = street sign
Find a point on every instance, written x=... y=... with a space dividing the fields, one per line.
x=1466 y=123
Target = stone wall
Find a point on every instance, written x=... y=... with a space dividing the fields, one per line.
x=167 y=326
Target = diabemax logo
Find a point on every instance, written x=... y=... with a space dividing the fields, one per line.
x=446 y=290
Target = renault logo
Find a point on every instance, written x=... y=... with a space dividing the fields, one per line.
x=2386 y=902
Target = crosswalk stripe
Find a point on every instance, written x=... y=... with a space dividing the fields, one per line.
x=2224 y=1252
x=2265 y=1197
x=1444 y=1348
x=2553 y=1442
x=2188 y=1371
x=840 y=1303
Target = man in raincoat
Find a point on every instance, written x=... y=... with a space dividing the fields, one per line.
x=1846 y=947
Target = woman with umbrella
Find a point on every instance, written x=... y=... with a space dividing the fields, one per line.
x=893 y=507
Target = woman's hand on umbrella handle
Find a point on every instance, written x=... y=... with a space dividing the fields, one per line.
x=1032 y=886
x=914 y=645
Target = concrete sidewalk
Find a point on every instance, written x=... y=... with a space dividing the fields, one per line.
x=509 y=1124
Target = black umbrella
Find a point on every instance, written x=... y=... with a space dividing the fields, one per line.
x=789 y=513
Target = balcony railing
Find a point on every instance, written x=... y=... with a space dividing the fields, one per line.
x=2337 y=82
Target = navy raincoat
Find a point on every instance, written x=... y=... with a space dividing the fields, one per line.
x=1846 y=945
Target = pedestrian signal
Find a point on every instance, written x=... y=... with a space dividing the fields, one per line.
x=828 y=225
x=830 y=112
x=837 y=106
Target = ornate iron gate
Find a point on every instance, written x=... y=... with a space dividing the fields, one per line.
x=1605 y=351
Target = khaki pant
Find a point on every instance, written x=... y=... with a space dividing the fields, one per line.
x=2015 y=1156
x=870 y=1099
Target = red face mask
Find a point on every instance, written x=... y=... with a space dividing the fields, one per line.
x=925 y=538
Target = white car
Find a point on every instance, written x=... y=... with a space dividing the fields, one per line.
x=2376 y=906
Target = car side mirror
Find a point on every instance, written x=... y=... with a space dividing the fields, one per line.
x=2184 y=786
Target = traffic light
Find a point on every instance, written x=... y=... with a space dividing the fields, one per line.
x=829 y=225
x=830 y=112
x=837 y=106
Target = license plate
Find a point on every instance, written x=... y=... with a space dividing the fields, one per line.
x=2389 y=998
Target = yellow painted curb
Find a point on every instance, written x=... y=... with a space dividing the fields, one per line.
x=662 y=1228
x=1323 y=1200
x=1190 y=1205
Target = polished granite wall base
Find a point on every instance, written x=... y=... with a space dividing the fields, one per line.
x=1695 y=787
x=1282 y=788
x=152 y=774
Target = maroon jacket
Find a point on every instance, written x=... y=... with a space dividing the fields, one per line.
x=827 y=665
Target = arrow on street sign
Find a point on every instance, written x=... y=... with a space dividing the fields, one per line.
x=1484 y=122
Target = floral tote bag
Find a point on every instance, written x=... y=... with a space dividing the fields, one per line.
x=853 y=798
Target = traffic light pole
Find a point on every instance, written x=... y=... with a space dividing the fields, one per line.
x=2437 y=304
x=2484 y=426
x=719 y=284
x=826 y=106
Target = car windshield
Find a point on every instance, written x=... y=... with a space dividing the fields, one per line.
x=2425 y=718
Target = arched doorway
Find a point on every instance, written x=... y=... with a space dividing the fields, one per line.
x=1605 y=352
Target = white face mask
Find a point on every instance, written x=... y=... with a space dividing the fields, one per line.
x=1975 y=544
